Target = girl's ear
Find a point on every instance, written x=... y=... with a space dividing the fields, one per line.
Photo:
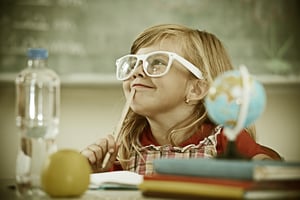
x=197 y=90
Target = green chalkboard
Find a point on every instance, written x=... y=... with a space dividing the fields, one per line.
x=86 y=36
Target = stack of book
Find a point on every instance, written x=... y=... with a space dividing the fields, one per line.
x=218 y=178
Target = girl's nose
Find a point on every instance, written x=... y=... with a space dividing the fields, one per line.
x=139 y=71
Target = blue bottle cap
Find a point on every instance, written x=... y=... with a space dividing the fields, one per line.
x=37 y=53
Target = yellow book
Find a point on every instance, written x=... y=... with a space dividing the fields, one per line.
x=190 y=189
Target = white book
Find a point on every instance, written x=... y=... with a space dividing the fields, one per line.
x=115 y=180
x=273 y=172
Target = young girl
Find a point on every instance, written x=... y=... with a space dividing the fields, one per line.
x=171 y=68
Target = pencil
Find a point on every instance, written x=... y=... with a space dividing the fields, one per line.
x=120 y=124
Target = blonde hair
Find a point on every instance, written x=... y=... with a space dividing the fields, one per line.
x=201 y=48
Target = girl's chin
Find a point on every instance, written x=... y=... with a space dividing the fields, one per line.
x=140 y=110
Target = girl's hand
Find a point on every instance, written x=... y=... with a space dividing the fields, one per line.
x=262 y=157
x=96 y=152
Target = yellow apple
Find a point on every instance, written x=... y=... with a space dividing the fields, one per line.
x=66 y=173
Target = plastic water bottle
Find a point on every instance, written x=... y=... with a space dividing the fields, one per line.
x=37 y=119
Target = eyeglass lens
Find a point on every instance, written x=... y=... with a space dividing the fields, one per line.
x=154 y=64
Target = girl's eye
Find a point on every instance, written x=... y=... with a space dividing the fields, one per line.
x=157 y=66
x=158 y=63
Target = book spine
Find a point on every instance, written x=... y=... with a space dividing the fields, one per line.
x=195 y=179
x=242 y=170
x=232 y=169
x=193 y=189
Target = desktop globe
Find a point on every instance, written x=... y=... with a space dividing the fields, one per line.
x=235 y=100
x=225 y=98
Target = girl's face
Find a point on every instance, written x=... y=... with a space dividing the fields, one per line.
x=158 y=95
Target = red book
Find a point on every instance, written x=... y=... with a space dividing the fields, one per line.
x=198 y=179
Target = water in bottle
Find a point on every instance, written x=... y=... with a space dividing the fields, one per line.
x=37 y=119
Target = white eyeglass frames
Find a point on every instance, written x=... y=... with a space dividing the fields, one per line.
x=155 y=64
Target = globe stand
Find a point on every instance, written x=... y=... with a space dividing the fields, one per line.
x=231 y=152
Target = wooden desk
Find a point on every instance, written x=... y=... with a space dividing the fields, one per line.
x=8 y=192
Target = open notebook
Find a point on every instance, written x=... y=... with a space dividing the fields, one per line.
x=115 y=180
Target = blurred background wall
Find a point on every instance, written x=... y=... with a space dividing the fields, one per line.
x=84 y=37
